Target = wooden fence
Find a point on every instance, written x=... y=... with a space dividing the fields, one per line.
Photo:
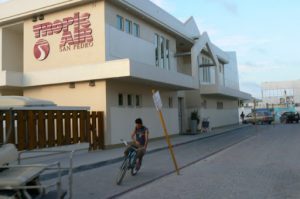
x=32 y=129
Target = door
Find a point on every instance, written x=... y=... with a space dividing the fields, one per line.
x=180 y=114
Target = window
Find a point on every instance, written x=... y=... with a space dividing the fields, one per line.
x=170 y=102
x=206 y=74
x=219 y=105
x=136 y=30
x=129 y=100
x=120 y=22
x=156 y=42
x=120 y=99
x=138 y=100
x=206 y=70
x=168 y=54
x=162 y=52
x=128 y=25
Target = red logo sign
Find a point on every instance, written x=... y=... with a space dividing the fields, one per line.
x=41 y=49
x=75 y=29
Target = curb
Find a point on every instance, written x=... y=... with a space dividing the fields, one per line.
x=86 y=167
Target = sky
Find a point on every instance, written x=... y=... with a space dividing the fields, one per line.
x=264 y=33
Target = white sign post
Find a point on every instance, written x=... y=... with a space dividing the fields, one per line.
x=158 y=106
x=157 y=101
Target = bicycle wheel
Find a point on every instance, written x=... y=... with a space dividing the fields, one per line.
x=122 y=171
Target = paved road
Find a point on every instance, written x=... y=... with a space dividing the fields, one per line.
x=264 y=166
x=100 y=182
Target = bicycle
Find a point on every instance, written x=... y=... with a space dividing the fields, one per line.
x=129 y=163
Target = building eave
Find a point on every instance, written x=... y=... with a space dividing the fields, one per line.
x=224 y=91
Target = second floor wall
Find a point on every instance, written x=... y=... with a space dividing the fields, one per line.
x=71 y=37
x=129 y=35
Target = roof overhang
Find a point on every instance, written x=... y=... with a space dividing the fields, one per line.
x=117 y=69
x=214 y=90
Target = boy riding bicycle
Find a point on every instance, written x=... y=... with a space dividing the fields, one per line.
x=139 y=137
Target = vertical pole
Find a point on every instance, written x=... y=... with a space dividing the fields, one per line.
x=168 y=139
x=273 y=115
x=254 y=112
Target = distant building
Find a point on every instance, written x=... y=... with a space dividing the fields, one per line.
x=281 y=93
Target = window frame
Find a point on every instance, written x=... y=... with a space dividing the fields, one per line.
x=128 y=24
x=122 y=100
x=120 y=26
x=138 y=101
x=130 y=99
x=136 y=30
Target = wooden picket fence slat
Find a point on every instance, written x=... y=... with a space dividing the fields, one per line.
x=34 y=129
x=1 y=127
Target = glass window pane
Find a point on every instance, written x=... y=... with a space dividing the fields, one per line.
x=168 y=54
x=120 y=99
x=119 y=22
x=129 y=100
x=156 y=42
x=138 y=100
x=162 y=52
x=136 y=30
x=128 y=26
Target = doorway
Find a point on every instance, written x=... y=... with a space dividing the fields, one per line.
x=180 y=114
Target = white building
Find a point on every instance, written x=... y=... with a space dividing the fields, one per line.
x=281 y=92
x=109 y=55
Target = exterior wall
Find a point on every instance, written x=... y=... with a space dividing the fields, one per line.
x=217 y=117
x=231 y=72
x=121 y=118
x=72 y=57
x=12 y=50
x=81 y=95
x=184 y=65
x=140 y=49
x=220 y=117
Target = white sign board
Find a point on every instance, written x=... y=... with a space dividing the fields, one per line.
x=157 y=101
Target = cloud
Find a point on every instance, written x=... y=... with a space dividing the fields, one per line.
x=205 y=26
x=258 y=67
x=160 y=3
x=166 y=5
x=3 y=1
x=251 y=87
x=241 y=40
x=230 y=6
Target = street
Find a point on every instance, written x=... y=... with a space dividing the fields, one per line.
x=101 y=182
x=242 y=163
x=264 y=166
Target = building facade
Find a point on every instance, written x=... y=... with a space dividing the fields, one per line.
x=109 y=55
x=281 y=92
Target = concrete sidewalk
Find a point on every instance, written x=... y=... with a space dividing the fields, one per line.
x=85 y=160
